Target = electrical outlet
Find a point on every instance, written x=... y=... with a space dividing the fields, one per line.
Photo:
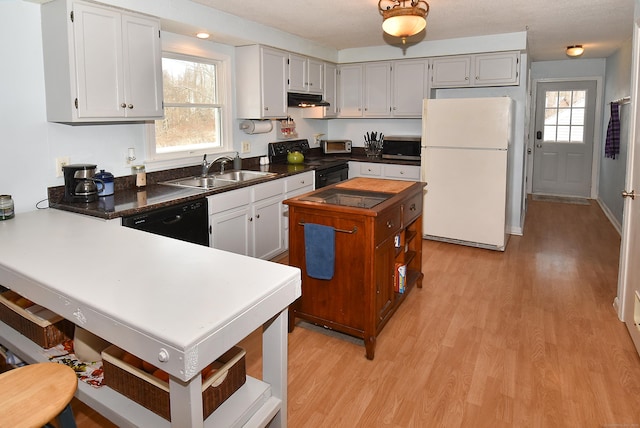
x=60 y=162
x=246 y=147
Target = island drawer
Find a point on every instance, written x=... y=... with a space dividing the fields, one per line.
x=40 y=325
x=387 y=224
x=411 y=209
x=224 y=377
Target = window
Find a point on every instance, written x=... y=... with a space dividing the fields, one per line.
x=564 y=116
x=196 y=111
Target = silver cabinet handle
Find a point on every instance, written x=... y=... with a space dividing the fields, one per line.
x=123 y=105
x=130 y=106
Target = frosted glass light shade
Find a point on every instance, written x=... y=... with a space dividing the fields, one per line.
x=575 y=50
x=404 y=25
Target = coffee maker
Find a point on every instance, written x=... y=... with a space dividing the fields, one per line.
x=79 y=184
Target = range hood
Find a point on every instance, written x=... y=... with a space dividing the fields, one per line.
x=296 y=99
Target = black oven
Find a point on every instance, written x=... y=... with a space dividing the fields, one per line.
x=331 y=175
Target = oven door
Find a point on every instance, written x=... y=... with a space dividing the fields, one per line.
x=333 y=175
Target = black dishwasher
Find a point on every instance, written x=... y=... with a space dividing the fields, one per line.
x=187 y=222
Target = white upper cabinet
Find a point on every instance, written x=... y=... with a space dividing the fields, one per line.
x=330 y=94
x=497 y=69
x=383 y=89
x=261 y=82
x=410 y=85
x=491 y=69
x=377 y=89
x=305 y=74
x=350 y=90
x=316 y=76
x=297 y=73
x=452 y=71
x=101 y=64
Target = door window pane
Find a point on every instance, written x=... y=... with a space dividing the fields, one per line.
x=564 y=116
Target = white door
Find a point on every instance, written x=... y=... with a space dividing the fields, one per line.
x=565 y=115
x=629 y=274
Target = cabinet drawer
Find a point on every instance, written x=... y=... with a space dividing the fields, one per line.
x=229 y=200
x=298 y=181
x=411 y=209
x=371 y=169
x=267 y=190
x=402 y=172
x=387 y=224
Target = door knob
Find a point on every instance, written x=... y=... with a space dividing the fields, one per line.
x=631 y=194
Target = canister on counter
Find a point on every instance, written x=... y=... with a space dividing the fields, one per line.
x=141 y=175
x=107 y=178
x=6 y=207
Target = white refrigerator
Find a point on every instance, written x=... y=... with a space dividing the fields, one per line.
x=465 y=163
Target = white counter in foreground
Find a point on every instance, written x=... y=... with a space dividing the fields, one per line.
x=172 y=303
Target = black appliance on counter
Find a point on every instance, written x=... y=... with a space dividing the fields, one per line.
x=187 y=222
x=329 y=170
x=79 y=183
x=403 y=147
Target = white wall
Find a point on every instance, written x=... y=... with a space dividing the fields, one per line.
x=613 y=171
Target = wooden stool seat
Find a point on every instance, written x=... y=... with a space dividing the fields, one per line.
x=33 y=395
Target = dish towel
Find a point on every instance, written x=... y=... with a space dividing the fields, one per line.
x=612 y=144
x=319 y=250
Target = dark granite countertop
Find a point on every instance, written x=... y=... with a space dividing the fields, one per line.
x=128 y=200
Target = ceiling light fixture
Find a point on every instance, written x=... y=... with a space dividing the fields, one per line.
x=202 y=35
x=403 y=18
x=575 y=50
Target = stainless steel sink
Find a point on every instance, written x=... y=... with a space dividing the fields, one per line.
x=242 y=175
x=217 y=180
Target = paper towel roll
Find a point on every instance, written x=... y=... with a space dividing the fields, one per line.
x=256 y=126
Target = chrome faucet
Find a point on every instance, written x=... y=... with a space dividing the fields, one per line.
x=206 y=166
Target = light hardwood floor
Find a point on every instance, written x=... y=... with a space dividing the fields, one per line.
x=524 y=338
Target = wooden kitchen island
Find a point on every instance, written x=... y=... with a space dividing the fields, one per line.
x=378 y=227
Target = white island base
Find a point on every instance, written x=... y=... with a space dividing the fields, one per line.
x=197 y=303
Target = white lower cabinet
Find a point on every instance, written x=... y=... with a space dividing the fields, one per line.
x=247 y=221
x=384 y=170
x=229 y=225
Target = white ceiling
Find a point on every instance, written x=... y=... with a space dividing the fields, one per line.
x=602 y=26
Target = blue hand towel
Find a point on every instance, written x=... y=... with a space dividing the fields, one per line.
x=319 y=249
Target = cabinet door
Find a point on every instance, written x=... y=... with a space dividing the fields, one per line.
x=377 y=90
x=142 y=67
x=384 y=279
x=350 y=91
x=98 y=47
x=331 y=90
x=297 y=81
x=497 y=69
x=315 y=74
x=410 y=87
x=231 y=231
x=451 y=72
x=273 y=82
x=266 y=219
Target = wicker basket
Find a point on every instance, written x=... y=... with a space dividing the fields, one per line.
x=152 y=393
x=46 y=333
